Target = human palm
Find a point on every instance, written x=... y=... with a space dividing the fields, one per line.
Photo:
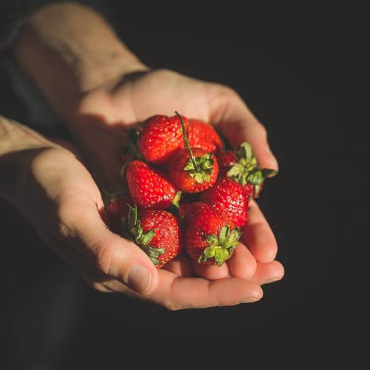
x=106 y=112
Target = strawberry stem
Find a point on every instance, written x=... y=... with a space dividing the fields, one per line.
x=175 y=205
x=200 y=167
x=186 y=140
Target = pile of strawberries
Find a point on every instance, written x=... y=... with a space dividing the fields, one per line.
x=183 y=191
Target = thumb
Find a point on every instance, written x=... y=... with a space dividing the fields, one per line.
x=112 y=255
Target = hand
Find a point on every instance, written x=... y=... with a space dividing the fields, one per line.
x=79 y=79
x=105 y=112
x=59 y=197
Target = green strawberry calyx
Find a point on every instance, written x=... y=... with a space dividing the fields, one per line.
x=221 y=247
x=199 y=168
x=129 y=145
x=141 y=238
x=130 y=150
x=246 y=171
x=112 y=193
x=257 y=177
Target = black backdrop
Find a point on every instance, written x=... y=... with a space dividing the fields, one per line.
x=304 y=73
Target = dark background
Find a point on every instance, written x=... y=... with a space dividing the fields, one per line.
x=304 y=73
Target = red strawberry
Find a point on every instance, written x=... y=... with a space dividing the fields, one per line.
x=228 y=198
x=204 y=136
x=149 y=187
x=192 y=169
x=159 y=137
x=116 y=209
x=241 y=166
x=210 y=238
x=225 y=159
x=156 y=232
x=193 y=173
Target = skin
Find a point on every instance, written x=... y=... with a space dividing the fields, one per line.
x=98 y=89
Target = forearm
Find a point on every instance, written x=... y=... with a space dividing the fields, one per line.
x=17 y=145
x=68 y=50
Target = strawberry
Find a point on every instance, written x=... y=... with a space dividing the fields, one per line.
x=159 y=137
x=192 y=170
x=228 y=198
x=149 y=186
x=225 y=159
x=241 y=166
x=156 y=232
x=210 y=238
x=116 y=209
x=204 y=136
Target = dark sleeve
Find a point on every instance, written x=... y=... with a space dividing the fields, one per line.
x=14 y=13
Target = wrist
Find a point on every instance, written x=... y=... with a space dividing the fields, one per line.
x=18 y=145
x=69 y=50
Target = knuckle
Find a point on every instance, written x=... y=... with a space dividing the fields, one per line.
x=62 y=224
x=227 y=92
x=230 y=91
x=104 y=256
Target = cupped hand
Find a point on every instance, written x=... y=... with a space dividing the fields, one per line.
x=104 y=113
x=60 y=198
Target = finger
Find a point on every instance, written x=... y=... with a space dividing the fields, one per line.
x=211 y=272
x=242 y=264
x=268 y=272
x=258 y=236
x=88 y=271
x=110 y=254
x=237 y=123
x=176 y=292
x=67 y=145
x=180 y=266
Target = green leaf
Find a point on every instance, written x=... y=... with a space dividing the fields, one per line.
x=246 y=157
x=256 y=190
x=221 y=255
x=132 y=217
x=199 y=178
x=147 y=237
x=235 y=235
x=212 y=240
x=209 y=252
x=189 y=167
x=153 y=253
x=235 y=170
x=223 y=235
x=266 y=172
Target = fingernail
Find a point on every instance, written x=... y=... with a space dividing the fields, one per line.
x=139 y=279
